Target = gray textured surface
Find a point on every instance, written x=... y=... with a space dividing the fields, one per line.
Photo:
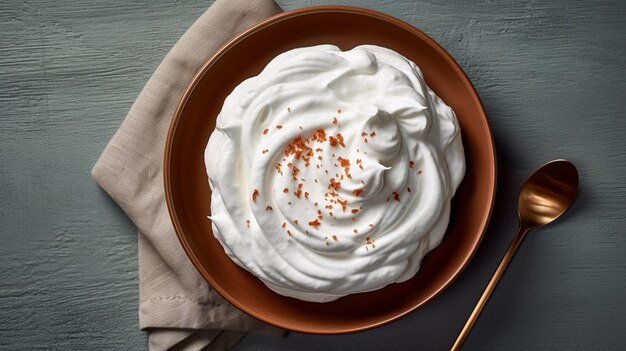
x=552 y=76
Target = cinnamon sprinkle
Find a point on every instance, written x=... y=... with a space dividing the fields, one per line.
x=265 y=130
x=334 y=184
x=359 y=163
x=333 y=141
x=319 y=135
x=315 y=223
x=269 y=208
x=294 y=171
x=369 y=242
x=340 y=140
x=411 y=164
x=357 y=192
x=278 y=126
x=255 y=194
x=345 y=163
x=344 y=204
x=396 y=196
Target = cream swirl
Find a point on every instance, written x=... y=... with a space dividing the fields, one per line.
x=332 y=172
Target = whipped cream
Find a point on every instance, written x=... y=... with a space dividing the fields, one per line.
x=332 y=171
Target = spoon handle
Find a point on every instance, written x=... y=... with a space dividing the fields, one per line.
x=521 y=232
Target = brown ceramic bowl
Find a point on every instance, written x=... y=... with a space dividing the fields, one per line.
x=188 y=195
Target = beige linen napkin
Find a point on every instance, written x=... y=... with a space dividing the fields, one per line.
x=176 y=305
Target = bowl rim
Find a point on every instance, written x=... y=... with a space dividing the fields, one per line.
x=251 y=31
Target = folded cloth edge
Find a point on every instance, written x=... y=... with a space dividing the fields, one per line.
x=130 y=170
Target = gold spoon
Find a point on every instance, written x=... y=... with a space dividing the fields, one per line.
x=545 y=196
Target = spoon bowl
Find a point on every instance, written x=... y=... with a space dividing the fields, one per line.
x=547 y=194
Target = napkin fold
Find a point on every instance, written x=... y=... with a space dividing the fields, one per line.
x=178 y=308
